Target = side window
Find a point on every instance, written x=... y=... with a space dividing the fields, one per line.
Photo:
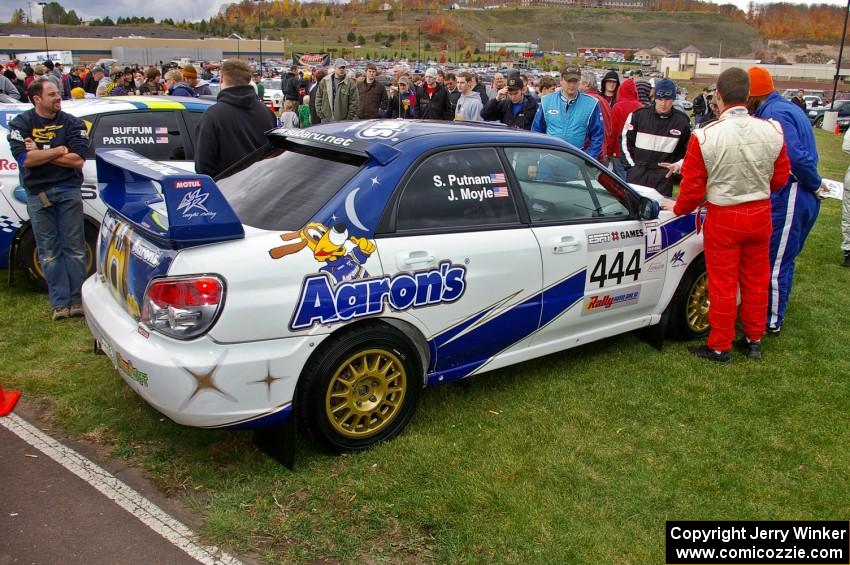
x=559 y=186
x=152 y=134
x=457 y=189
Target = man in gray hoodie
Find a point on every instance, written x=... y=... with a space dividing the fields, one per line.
x=469 y=104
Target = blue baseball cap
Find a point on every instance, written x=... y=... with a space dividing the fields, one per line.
x=665 y=89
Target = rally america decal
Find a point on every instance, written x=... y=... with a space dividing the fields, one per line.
x=343 y=289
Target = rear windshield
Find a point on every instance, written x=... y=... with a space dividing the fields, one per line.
x=286 y=189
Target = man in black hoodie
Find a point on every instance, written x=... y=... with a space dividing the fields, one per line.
x=610 y=85
x=235 y=126
x=432 y=99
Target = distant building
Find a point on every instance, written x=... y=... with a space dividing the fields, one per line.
x=651 y=56
x=510 y=47
x=711 y=67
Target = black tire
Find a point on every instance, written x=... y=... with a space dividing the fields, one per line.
x=28 y=256
x=818 y=122
x=688 y=310
x=335 y=421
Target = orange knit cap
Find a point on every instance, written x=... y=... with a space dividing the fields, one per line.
x=761 y=82
x=189 y=72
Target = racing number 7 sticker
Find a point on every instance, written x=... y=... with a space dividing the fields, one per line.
x=602 y=273
x=653 y=238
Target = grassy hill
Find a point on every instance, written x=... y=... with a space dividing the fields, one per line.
x=569 y=29
x=558 y=29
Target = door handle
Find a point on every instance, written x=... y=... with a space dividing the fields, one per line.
x=416 y=258
x=566 y=244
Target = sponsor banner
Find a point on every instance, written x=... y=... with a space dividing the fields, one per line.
x=764 y=542
x=311 y=59
x=64 y=57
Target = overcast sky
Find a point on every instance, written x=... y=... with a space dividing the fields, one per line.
x=191 y=10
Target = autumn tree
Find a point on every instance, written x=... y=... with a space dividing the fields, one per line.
x=18 y=17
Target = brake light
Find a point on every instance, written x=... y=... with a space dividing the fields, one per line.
x=183 y=307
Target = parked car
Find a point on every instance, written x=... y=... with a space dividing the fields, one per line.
x=273 y=92
x=812 y=101
x=161 y=128
x=359 y=262
x=816 y=114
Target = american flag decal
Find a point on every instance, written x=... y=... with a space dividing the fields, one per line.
x=162 y=139
x=498 y=178
x=161 y=131
x=500 y=191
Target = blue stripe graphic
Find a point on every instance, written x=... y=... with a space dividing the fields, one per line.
x=454 y=359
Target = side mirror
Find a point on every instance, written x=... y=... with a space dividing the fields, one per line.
x=648 y=209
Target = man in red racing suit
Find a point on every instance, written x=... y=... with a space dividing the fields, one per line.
x=734 y=164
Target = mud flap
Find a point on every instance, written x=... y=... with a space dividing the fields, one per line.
x=13 y=258
x=278 y=442
x=654 y=335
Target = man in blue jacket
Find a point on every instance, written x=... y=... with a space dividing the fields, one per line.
x=571 y=115
x=795 y=207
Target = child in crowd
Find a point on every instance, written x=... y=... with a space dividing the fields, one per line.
x=289 y=119
x=304 y=113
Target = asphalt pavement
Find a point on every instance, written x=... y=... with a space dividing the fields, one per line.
x=50 y=515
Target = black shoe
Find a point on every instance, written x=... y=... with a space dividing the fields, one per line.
x=846 y=262
x=704 y=352
x=772 y=332
x=751 y=349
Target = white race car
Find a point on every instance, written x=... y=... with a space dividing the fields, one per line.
x=159 y=127
x=358 y=262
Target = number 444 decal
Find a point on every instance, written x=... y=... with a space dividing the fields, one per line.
x=602 y=272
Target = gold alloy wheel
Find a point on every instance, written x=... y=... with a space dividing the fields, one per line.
x=366 y=393
x=697 y=305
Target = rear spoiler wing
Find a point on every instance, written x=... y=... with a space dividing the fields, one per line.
x=380 y=152
x=196 y=213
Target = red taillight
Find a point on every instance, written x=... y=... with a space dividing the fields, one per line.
x=203 y=291
x=183 y=307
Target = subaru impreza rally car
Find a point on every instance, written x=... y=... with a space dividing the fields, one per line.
x=358 y=262
x=159 y=127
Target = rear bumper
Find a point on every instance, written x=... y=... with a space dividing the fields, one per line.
x=199 y=383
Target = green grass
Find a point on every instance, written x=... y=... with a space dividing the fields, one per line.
x=578 y=457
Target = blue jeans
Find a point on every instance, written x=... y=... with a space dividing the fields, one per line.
x=618 y=168
x=60 y=238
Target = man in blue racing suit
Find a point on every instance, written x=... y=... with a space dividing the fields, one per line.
x=794 y=207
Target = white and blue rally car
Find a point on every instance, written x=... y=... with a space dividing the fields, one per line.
x=356 y=263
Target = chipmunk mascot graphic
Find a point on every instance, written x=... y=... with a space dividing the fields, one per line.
x=328 y=247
